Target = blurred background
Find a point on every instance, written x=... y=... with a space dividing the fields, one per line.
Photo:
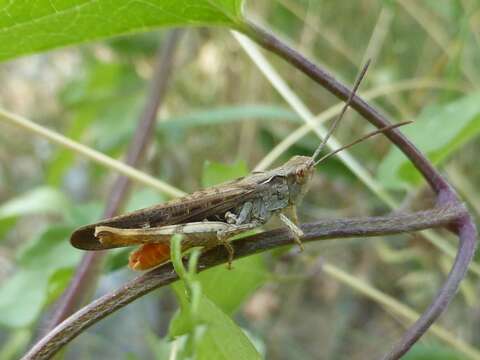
x=220 y=118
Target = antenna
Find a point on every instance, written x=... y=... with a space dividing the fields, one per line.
x=365 y=137
x=344 y=109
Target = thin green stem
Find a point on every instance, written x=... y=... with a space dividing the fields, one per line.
x=90 y=153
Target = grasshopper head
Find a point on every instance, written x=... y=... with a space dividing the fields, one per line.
x=299 y=170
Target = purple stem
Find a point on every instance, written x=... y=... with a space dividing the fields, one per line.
x=271 y=43
x=468 y=235
x=164 y=275
x=86 y=276
x=449 y=211
x=446 y=195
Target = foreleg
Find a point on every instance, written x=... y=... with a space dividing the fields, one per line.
x=292 y=225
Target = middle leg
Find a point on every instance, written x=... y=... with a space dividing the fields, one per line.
x=225 y=235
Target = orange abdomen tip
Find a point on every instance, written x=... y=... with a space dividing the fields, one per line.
x=149 y=256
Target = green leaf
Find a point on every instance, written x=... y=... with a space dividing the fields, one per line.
x=228 y=289
x=27 y=27
x=159 y=347
x=115 y=93
x=114 y=127
x=102 y=82
x=84 y=214
x=173 y=129
x=229 y=114
x=16 y=344
x=222 y=338
x=22 y=298
x=49 y=251
x=64 y=158
x=217 y=173
x=42 y=200
x=6 y=224
x=438 y=132
x=45 y=268
x=144 y=198
x=58 y=282
x=117 y=259
x=433 y=351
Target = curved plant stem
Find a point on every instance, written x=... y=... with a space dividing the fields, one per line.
x=89 y=268
x=164 y=275
x=467 y=233
x=464 y=227
x=300 y=108
x=271 y=43
x=334 y=110
x=314 y=123
x=449 y=212
x=397 y=308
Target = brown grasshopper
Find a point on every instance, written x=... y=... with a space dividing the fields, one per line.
x=212 y=216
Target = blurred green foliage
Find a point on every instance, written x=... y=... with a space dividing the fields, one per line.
x=432 y=351
x=220 y=110
x=43 y=200
x=448 y=126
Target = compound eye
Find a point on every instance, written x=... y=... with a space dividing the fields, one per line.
x=300 y=174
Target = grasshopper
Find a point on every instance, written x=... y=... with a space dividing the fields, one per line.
x=211 y=217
